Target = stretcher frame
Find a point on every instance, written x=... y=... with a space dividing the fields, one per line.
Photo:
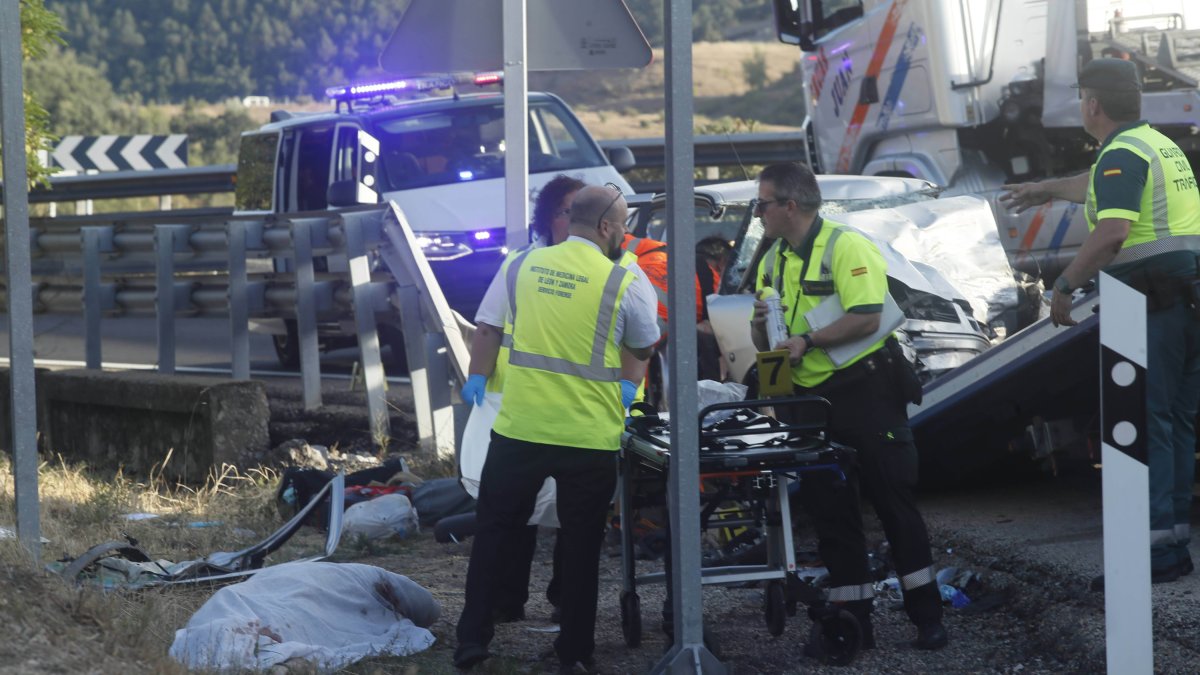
x=645 y=456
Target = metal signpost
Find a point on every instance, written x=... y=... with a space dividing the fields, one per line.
x=1129 y=640
x=688 y=654
x=23 y=443
x=516 y=130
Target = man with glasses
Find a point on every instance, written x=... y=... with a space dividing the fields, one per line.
x=573 y=312
x=811 y=260
x=551 y=218
x=1143 y=215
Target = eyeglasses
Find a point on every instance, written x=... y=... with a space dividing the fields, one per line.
x=616 y=188
x=759 y=206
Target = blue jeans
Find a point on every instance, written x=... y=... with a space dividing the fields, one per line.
x=1172 y=396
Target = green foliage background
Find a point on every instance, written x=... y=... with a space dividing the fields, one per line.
x=174 y=50
x=39 y=32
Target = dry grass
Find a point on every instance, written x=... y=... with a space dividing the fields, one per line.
x=57 y=627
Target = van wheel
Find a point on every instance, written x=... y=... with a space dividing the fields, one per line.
x=287 y=346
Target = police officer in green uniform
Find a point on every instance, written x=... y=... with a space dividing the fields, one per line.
x=572 y=312
x=812 y=259
x=1143 y=213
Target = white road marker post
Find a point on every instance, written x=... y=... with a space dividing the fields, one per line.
x=1129 y=639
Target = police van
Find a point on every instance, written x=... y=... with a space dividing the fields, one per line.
x=440 y=158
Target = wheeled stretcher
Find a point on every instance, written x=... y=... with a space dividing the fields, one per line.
x=748 y=458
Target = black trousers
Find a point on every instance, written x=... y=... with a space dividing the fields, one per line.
x=513 y=589
x=869 y=414
x=512 y=476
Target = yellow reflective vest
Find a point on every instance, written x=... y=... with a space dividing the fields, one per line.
x=562 y=383
x=1169 y=217
x=841 y=261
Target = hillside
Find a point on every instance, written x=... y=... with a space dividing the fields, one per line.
x=631 y=103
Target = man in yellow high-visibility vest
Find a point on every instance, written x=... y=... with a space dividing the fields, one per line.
x=573 y=311
x=814 y=260
x=1143 y=213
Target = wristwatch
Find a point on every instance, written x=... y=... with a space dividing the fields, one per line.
x=809 y=345
x=1062 y=285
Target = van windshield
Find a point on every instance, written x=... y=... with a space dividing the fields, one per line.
x=467 y=144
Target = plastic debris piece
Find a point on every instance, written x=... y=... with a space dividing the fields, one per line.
x=140 y=516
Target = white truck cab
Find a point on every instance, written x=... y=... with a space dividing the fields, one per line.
x=441 y=159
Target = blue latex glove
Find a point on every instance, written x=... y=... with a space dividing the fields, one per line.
x=628 y=392
x=473 y=390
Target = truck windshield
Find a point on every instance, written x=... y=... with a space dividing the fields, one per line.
x=467 y=144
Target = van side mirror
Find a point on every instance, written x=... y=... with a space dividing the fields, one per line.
x=791 y=26
x=342 y=193
x=621 y=158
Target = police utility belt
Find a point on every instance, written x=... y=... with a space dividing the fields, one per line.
x=888 y=360
x=1164 y=291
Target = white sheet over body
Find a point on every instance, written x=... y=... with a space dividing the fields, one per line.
x=332 y=614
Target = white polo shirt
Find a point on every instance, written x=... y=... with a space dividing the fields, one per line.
x=637 y=317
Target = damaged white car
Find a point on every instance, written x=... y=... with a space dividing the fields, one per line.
x=946 y=266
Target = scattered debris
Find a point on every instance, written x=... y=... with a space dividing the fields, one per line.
x=123 y=564
x=11 y=533
x=382 y=517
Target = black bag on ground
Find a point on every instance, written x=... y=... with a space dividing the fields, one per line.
x=298 y=486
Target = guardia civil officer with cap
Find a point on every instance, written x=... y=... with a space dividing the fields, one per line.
x=573 y=312
x=811 y=260
x=1143 y=214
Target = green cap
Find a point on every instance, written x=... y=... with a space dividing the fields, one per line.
x=1110 y=75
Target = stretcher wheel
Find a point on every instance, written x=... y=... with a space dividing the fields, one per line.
x=631 y=618
x=841 y=638
x=775 y=608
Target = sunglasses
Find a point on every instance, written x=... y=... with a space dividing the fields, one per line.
x=759 y=206
x=616 y=188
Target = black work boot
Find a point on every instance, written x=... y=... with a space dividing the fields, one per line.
x=468 y=655
x=1163 y=576
x=931 y=636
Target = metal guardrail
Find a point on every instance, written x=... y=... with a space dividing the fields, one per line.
x=125 y=184
x=193 y=264
x=711 y=150
x=721 y=149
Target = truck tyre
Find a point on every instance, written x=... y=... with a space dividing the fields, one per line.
x=287 y=346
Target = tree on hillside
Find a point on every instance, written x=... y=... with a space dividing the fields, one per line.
x=174 y=50
x=79 y=99
x=40 y=29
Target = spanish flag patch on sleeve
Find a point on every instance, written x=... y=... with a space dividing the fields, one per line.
x=1112 y=172
x=858 y=271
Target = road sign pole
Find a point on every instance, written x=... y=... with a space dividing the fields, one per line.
x=688 y=654
x=516 y=130
x=1129 y=640
x=23 y=442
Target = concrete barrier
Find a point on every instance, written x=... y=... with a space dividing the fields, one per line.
x=134 y=419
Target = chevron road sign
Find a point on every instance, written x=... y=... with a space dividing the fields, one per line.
x=121 y=153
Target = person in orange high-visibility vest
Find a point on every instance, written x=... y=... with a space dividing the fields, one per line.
x=652 y=259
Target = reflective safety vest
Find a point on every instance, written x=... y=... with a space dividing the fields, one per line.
x=801 y=295
x=652 y=258
x=1169 y=218
x=562 y=385
x=495 y=383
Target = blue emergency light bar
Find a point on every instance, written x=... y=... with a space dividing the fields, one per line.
x=375 y=89
x=367 y=90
